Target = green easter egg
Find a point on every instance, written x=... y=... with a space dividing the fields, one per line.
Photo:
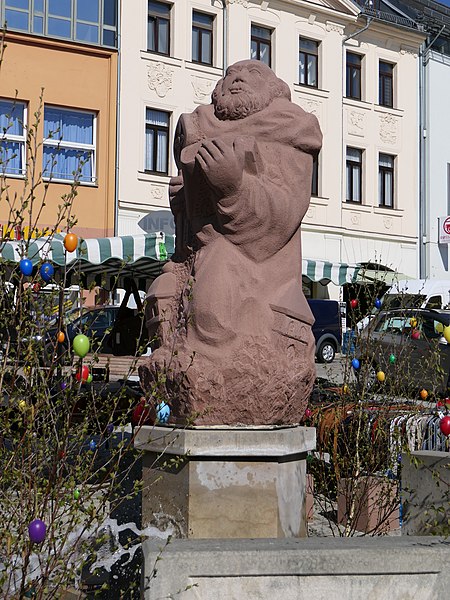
x=81 y=345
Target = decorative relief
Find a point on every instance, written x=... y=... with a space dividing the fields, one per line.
x=356 y=123
x=202 y=87
x=337 y=27
x=310 y=213
x=355 y=219
x=311 y=106
x=388 y=128
x=387 y=221
x=159 y=78
x=243 y=2
x=408 y=50
x=157 y=192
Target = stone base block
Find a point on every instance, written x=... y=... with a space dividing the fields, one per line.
x=426 y=493
x=397 y=568
x=376 y=506
x=225 y=482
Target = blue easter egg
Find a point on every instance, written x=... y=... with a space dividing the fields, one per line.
x=109 y=428
x=26 y=266
x=355 y=363
x=377 y=303
x=47 y=271
x=92 y=445
x=163 y=412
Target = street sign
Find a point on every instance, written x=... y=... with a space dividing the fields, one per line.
x=444 y=230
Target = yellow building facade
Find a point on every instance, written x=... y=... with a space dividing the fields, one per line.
x=58 y=104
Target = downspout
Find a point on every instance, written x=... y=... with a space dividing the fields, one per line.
x=225 y=37
x=422 y=163
x=423 y=156
x=119 y=60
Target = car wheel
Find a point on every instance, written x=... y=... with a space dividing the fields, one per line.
x=326 y=352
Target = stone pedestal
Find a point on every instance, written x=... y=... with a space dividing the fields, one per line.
x=225 y=482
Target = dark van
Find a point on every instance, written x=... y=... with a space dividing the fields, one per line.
x=327 y=328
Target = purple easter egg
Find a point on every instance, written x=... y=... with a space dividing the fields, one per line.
x=37 y=530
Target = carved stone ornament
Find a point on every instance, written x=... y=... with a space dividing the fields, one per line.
x=311 y=212
x=355 y=219
x=356 y=123
x=243 y=2
x=313 y=107
x=388 y=128
x=387 y=221
x=202 y=87
x=231 y=327
x=157 y=192
x=337 y=27
x=159 y=78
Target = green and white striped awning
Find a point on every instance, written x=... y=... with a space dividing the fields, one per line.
x=323 y=271
x=139 y=256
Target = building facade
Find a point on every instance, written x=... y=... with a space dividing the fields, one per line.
x=357 y=74
x=58 y=98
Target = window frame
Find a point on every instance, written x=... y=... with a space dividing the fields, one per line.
x=353 y=165
x=156 y=129
x=16 y=139
x=64 y=144
x=350 y=68
x=197 y=28
x=315 y=176
x=383 y=79
x=157 y=18
x=306 y=55
x=383 y=173
x=259 y=40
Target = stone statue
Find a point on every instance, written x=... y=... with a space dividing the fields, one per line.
x=231 y=323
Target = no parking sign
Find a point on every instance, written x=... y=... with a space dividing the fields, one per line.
x=444 y=230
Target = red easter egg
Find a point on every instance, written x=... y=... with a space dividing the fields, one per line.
x=82 y=374
x=444 y=425
x=354 y=303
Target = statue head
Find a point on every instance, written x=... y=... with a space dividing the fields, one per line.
x=248 y=87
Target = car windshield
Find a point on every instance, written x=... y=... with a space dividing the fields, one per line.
x=403 y=324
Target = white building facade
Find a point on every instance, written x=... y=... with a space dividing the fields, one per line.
x=359 y=76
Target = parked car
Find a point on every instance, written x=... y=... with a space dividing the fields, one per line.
x=408 y=346
x=327 y=328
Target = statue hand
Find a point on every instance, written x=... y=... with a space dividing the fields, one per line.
x=222 y=164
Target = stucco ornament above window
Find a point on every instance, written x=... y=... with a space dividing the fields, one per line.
x=202 y=88
x=388 y=129
x=159 y=78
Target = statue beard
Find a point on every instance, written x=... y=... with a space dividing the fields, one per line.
x=231 y=107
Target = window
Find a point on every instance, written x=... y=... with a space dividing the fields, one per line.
x=69 y=145
x=12 y=137
x=260 y=46
x=156 y=141
x=158 y=28
x=386 y=180
x=315 y=177
x=88 y=21
x=353 y=76
x=354 y=175
x=202 y=37
x=308 y=56
x=385 y=90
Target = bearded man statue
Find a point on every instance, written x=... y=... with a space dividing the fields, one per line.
x=232 y=329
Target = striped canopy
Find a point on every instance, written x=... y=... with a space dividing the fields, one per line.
x=324 y=271
x=138 y=256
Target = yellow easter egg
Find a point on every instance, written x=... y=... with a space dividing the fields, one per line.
x=381 y=376
x=447 y=333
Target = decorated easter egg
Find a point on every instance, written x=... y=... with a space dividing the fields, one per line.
x=163 y=412
x=70 y=242
x=26 y=266
x=37 y=530
x=444 y=425
x=47 y=271
x=81 y=345
x=355 y=364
